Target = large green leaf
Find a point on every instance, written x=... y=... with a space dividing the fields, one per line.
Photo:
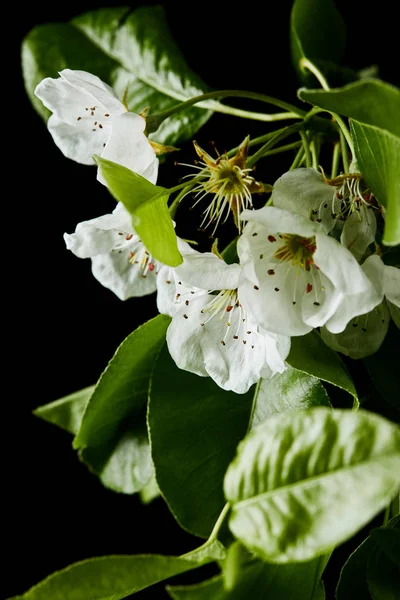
x=370 y=101
x=353 y=577
x=116 y=577
x=317 y=32
x=309 y=354
x=290 y=390
x=128 y=50
x=290 y=483
x=147 y=203
x=66 y=412
x=122 y=389
x=378 y=156
x=194 y=428
x=259 y=581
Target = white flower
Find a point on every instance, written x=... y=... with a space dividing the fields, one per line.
x=328 y=202
x=120 y=261
x=212 y=333
x=298 y=276
x=365 y=333
x=88 y=119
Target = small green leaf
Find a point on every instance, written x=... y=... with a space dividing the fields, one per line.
x=370 y=101
x=260 y=581
x=122 y=389
x=116 y=577
x=317 y=32
x=309 y=354
x=378 y=156
x=290 y=483
x=147 y=203
x=353 y=577
x=130 y=50
x=290 y=390
x=151 y=491
x=194 y=428
x=66 y=412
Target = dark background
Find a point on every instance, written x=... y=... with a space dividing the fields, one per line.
x=62 y=326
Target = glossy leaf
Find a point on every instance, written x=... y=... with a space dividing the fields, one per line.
x=260 y=581
x=66 y=412
x=370 y=101
x=194 y=428
x=122 y=389
x=290 y=390
x=309 y=354
x=353 y=577
x=378 y=156
x=116 y=577
x=317 y=32
x=147 y=203
x=290 y=483
x=132 y=51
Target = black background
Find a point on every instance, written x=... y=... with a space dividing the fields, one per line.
x=61 y=326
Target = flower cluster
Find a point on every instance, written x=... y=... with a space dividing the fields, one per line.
x=307 y=260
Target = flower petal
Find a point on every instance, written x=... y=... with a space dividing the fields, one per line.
x=359 y=231
x=391 y=284
x=208 y=272
x=305 y=192
x=363 y=335
x=277 y=349
x=166 y=291
x=80 y=141
x=115 y=272
x=87 y=83
x=102 y=234
x=279 y=220
x=363 y=300
x=128 y=146
x=233 y=355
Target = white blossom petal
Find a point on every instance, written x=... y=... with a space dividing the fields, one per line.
x=83 y=109
x=360 y=302
x=166 y=291
x=391 y=284
x=304 y=191
x=362 y=336
x=359 y=231
x=115 y=271
x=102 y=234
x=209 y=272
x=282 y=221
x=233 y=355
x=129 y=146
x=277 y=349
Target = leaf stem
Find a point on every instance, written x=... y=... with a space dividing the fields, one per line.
x=306 y=148
x=205 y=101
x=298 y=158
x=214 y=533
x=280 y=135
x=345 y=153
x=307 y=64
x=335 y=160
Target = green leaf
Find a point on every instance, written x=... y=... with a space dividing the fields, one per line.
x=388 y=540
x=378 y=156
x=123 y=463
x=290 y=390
x=309 y=354
x=66 y=412
x=317 y=32
x=147 y=203
x=383 y=576
x=151 y=491
x=128 y=50
x=370 y=101
x=290 y=483
x=259 y=581
x=194 y=428
x=353 y=577
x=122 y=389
x=116 y=577
x=383 y=369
